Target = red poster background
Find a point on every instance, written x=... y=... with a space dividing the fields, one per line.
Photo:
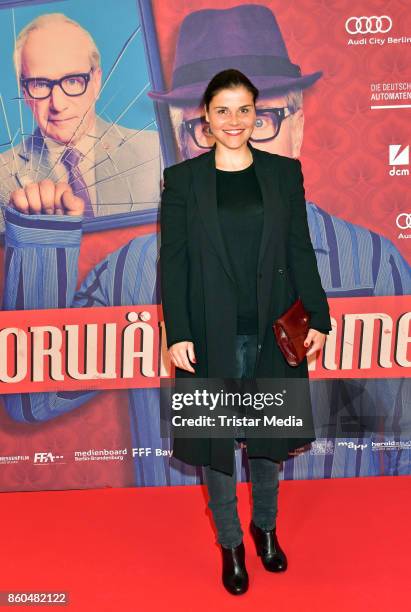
x=345 y=146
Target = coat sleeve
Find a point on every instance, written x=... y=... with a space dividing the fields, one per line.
x=41 y=266
x=41 y=272
x=174 y=256
x=301 y=254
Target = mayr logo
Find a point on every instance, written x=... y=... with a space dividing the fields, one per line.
x=399 y=157
x=352 y=445
x=46 y=457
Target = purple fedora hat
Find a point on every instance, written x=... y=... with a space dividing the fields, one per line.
x=245 y=37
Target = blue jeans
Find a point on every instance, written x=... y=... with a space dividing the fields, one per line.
x=264 y=473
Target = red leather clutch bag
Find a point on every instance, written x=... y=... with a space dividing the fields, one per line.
x=290 y=330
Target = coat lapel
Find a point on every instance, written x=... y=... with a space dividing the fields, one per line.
x=204 y=179
x=205 y=186
x=268 y=178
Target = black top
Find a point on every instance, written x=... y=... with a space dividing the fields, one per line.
x=240 y=208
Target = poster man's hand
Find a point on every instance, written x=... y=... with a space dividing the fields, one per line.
x=46 y=198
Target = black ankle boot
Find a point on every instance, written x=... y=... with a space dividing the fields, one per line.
x=268 y=548
x=235 y=577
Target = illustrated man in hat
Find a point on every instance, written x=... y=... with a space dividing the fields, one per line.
x=112 y=168
x=211 y=40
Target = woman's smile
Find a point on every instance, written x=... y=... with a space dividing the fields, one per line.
x=233 y=132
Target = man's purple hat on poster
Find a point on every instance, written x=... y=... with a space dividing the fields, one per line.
x=245 y=37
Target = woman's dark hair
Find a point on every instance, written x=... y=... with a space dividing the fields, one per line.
x=227 y=79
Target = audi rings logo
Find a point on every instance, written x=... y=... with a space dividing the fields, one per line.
x=404 y=221
x=368 y=25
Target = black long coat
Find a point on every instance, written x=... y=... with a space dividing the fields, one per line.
x=198 y=289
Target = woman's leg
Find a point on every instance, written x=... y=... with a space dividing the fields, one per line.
x=265 y=485
x=221 y=486
x=223 y=505
x=263 y=472
x=264 y=478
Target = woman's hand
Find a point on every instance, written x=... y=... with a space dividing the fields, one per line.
x=180 y=353
x=317 y=339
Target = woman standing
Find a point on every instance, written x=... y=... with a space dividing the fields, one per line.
x=235 y=254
